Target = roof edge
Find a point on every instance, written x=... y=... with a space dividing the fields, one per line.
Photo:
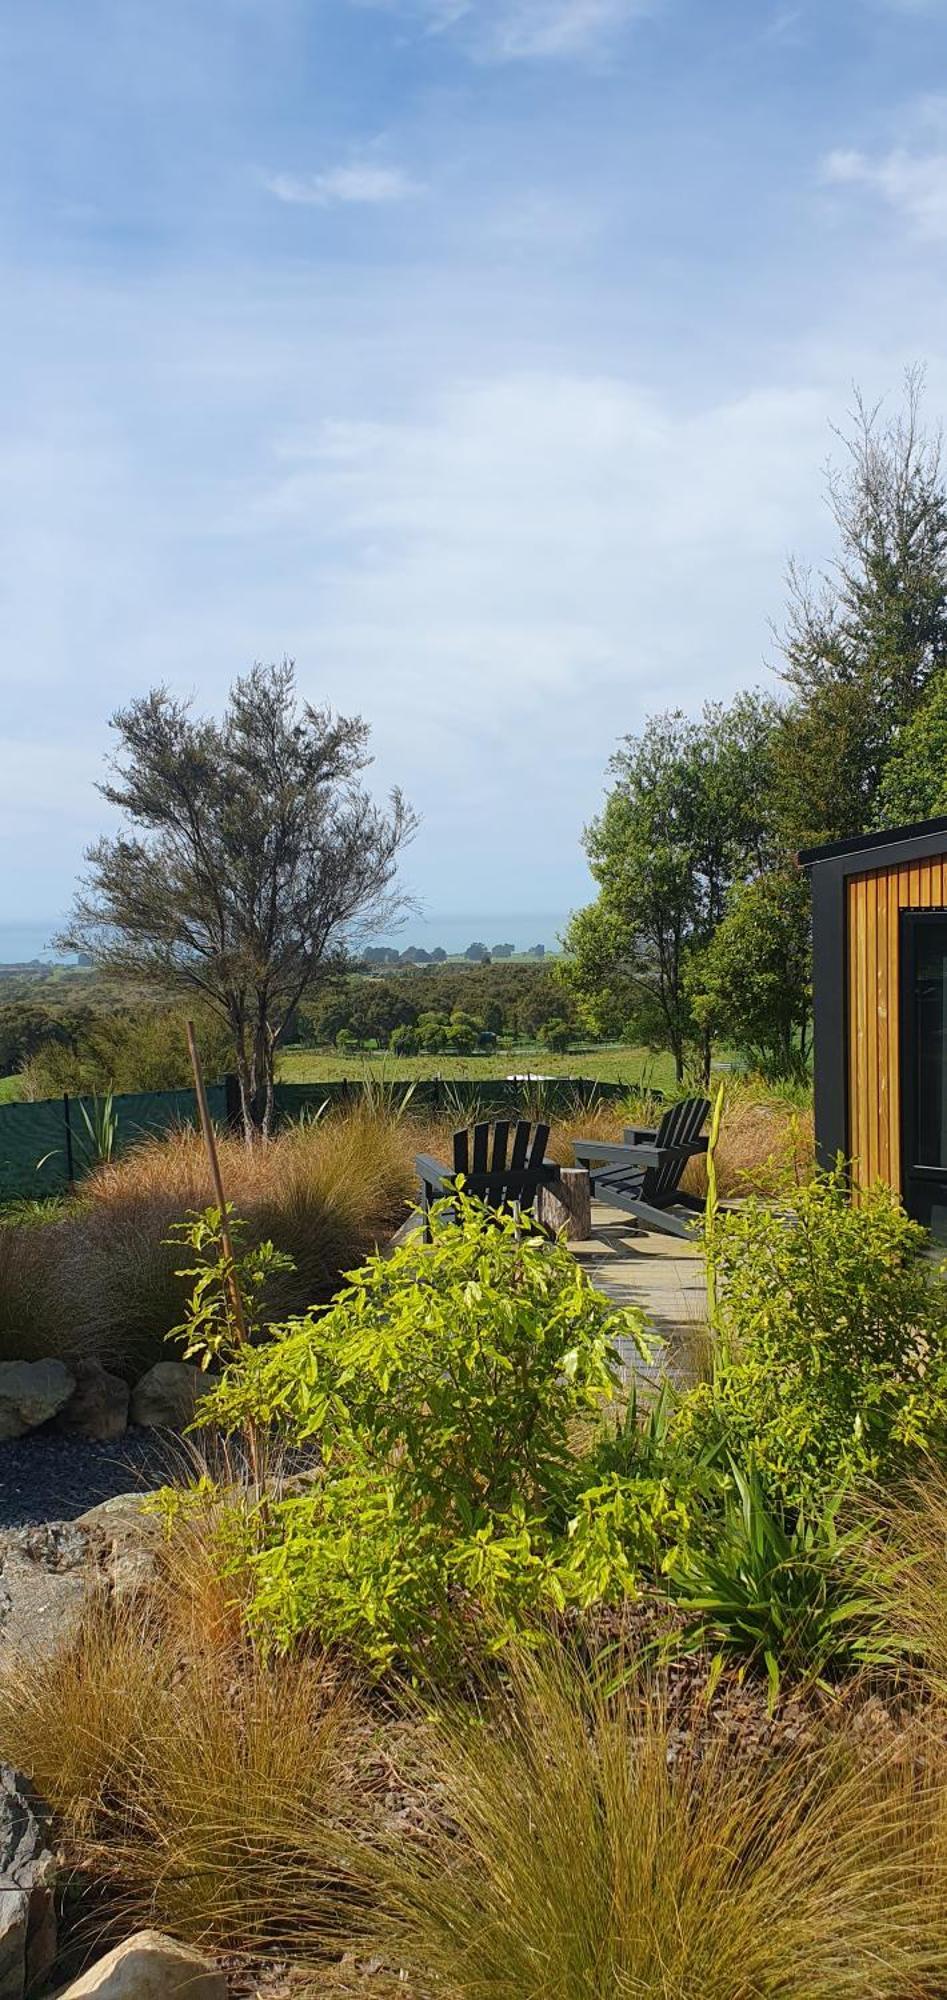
x=862 y=843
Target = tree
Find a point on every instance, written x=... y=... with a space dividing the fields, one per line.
x=477 y=953
x=503 y=950
x=753 y=984
x=914 y=785
x=253 y=864
x=556 y=1035
x=687 y=815
x=864 y=641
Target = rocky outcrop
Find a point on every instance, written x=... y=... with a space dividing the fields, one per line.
x=30 y=1393
x=98 y=1406
x=150 y=1966
x=27 y=1883
x=167 y=1397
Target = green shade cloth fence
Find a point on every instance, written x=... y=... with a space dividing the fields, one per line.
x=36 y=1140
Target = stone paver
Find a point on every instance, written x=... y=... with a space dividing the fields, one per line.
x=664 y=1275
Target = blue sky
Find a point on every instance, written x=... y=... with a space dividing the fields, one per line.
x=479 y=355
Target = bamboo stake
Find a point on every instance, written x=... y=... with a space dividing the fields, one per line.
x=210 y=1143
x=233 y=1283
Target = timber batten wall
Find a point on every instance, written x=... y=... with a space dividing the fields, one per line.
x=874 y=902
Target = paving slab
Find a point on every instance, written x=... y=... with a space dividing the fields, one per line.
x=663 y=1275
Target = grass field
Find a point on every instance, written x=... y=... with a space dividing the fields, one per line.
x=11 y=1089
x=612 y=1064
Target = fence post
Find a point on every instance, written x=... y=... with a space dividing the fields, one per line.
x=232 y=1112
x=70 y=1162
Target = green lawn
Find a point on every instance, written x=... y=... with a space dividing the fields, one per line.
x=11 y=1089
x=613 y=1064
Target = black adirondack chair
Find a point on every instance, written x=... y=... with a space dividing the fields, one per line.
x=498 y=1173
x=643 y=1174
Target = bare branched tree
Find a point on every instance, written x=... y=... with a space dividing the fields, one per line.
x=255 y=860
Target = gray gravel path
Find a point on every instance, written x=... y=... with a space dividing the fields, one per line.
x=46 y=1477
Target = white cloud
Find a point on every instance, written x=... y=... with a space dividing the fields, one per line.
x=520 y=30
x=361 y=182
x=558 y=27
x=912 y=176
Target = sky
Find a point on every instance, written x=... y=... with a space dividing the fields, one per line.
x=479 y=355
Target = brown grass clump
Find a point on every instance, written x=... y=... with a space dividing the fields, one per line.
x=104 y=1281
x=574 y=1850
x=200 y=1790
x=910 y=1573
x=29 y=1297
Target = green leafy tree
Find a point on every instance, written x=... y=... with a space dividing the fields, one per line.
x=688 y=813
x=864 y=641
x=252 y=860
x=753 y=983
x=914 y=785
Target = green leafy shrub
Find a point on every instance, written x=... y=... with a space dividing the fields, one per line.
x=832 y=1342
x=444 y=1387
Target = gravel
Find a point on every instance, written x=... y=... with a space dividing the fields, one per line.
x=47 y=1477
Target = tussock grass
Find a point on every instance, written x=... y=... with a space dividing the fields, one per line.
x=200 y=1789
x=910 y=1572
x=30 y=1299
x=103 y=1280
x=572 y=1850
x=100 y=1278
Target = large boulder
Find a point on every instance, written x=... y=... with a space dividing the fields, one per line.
x=27 y=1883
x=30 y=1393
x=166 y=1398
x=98 y=1406
x=150 y=1966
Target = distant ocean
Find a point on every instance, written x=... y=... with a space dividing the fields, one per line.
x=20 y=942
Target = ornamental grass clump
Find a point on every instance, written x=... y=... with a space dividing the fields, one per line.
x=444 y=1388
x=575 y=1847
x=194 y=1785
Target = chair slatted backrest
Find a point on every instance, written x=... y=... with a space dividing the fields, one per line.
x=679 y=1126
x=481 y=1161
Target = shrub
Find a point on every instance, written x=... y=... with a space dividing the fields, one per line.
x=443 y=1386
x=832 y=1341
x=571 y=1849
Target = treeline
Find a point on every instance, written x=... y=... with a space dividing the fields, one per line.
x=443 y=1008
x=447 y=1008
x=79 y=1049
x=699 y=933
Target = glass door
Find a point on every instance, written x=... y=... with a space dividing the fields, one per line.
x=924 y=1066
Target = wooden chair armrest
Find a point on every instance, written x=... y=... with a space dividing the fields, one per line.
x=432 y=1172
x=635 y=1156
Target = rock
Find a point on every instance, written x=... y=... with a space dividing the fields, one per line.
x=167 y=1397
x=129 y=1538
x=149 y=1966
x=120 y=1515
x=14 y=1925
x=98 y=1406
x=30 y=1393
x=27 y=1883
x=47 y=1580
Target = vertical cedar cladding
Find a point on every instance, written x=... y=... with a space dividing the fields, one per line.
x=875 y=900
